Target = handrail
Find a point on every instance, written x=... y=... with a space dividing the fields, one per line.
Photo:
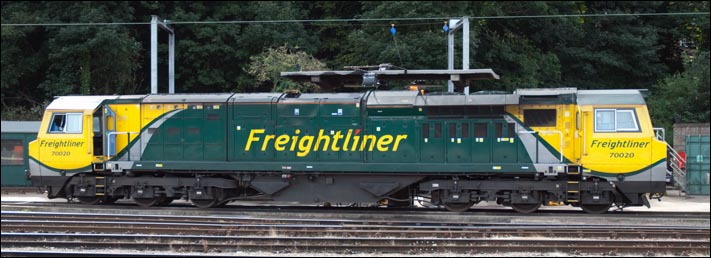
x=89 y=133
x=678 y=174
x=109 y=143
x=585 y=134
x=661 y=137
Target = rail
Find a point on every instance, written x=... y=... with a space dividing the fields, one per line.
x=305 y=232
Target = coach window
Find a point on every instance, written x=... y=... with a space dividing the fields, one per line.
x=13 y=152
x=616 y=120
x=66 y=123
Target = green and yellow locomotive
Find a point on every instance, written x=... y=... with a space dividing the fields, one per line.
x=586 y=148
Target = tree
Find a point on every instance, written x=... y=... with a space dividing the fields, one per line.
x=211 y=57
x=614 y=52
x=24 y=62
x=683 y=97
x=267 y=66
x=90 y=59
x=39 y=62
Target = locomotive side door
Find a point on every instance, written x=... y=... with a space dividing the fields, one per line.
x=109 y=131
x=481 y=141
x=98 y=135
x=432 y=145
x=458 y=142
x=504 y=142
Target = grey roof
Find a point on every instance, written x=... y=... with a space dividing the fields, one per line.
x=325 y=98
x=413 y=98
x=267 y=97
x=492 y=99
x=545 y=91
x=89 y=102
x=20 y=126
x=392 y=98
x=602 y=97
x=467 y=100
x=188 y=98
x=78 y=102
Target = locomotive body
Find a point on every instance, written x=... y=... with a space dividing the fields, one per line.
x=587 y=148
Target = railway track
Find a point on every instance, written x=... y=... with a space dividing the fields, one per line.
x=237 y=244
x=210 y=234
x=477 y=211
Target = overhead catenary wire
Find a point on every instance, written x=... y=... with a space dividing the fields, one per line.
x=316 y=22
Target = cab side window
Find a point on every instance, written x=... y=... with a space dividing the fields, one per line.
x=66 y=123
x=616 y=120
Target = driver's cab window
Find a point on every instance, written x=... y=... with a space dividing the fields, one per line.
x=66 y=123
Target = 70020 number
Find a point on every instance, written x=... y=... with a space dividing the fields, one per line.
x=621 y=155
x=61 y=153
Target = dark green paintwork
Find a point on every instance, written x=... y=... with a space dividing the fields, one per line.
x=190 y=134
x=431 y=145
x=14 y=175
x=697 y=164
x=215 y=139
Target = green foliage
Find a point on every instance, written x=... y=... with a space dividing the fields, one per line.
x=211 y=57
x=23 y=59
x=267 y=66
x=21 y=113
x=39 y=62
x=614 y=52
x=90 y=59
x=519 y=62
x=682 y=97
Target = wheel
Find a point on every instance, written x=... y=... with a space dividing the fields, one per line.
x=596 y=208
x=146 y=202
x=204 y=203
x=525 y=207
x=605 y=201
x=458 y=207
x=90 y=200
x=209 y=202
